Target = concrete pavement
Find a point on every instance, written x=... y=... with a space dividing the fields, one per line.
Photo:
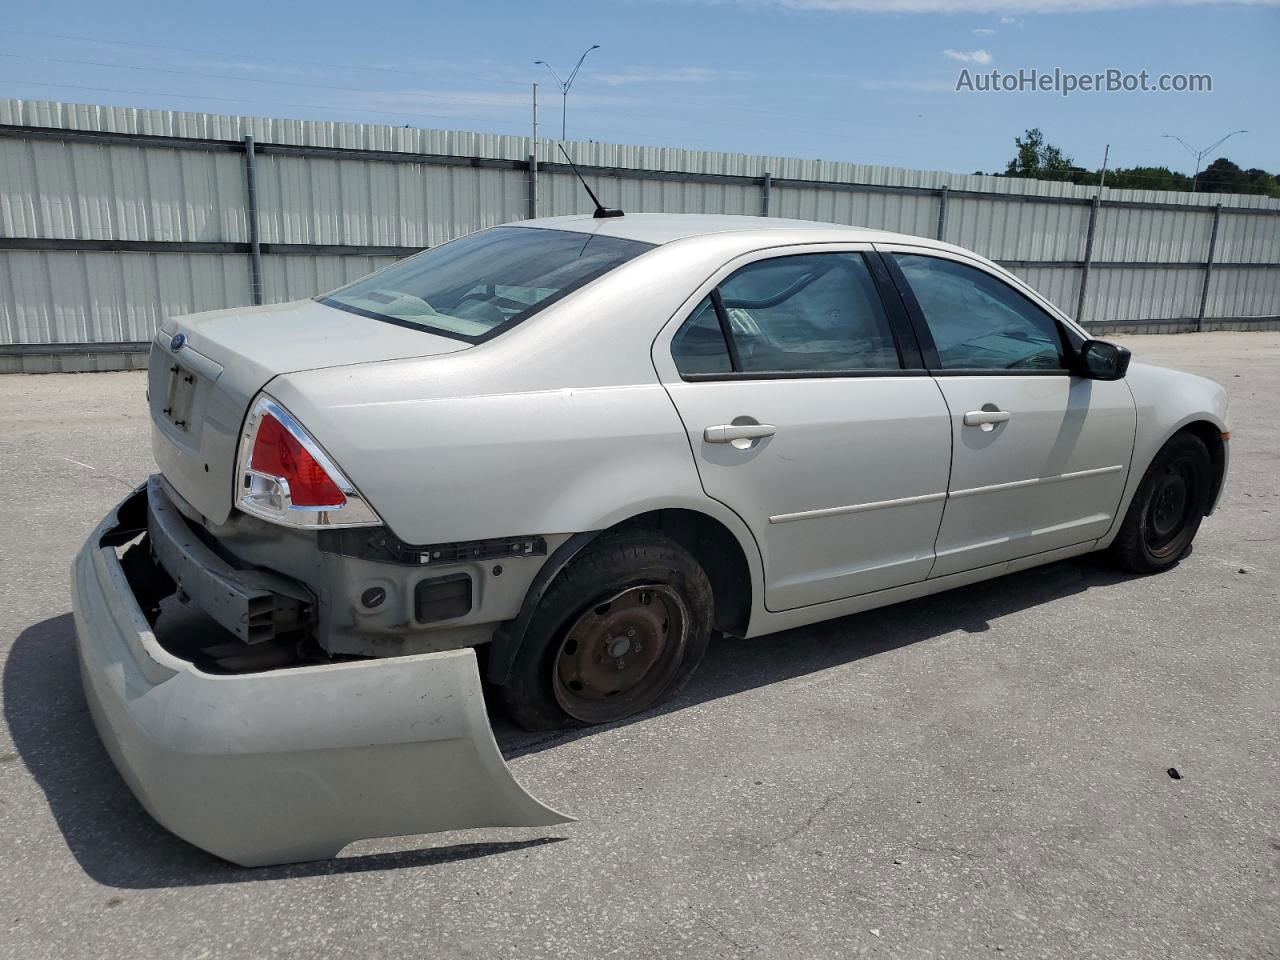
x=981 y=773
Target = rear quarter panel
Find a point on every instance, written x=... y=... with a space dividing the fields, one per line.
x=559 y=426
x=440 y=469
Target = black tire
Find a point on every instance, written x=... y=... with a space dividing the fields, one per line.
x=1167 y=509
x=603 y=591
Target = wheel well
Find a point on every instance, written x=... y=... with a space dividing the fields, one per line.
x=1211 y=436
x=718 y=553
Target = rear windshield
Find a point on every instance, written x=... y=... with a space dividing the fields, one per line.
x=477 y=286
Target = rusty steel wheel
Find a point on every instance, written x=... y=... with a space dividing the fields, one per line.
x=621 y=655
x=620 y=629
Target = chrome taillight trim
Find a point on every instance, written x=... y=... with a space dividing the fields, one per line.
x=356 y=512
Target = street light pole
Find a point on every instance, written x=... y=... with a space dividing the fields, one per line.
x=564 y=85
x=1200 y=154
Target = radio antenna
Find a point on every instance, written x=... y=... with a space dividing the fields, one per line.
x=601 y=210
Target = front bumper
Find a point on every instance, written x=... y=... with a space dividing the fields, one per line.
x=1226 y=472
x=290 y=764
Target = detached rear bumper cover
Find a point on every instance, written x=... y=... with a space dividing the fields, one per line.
x=291 y=764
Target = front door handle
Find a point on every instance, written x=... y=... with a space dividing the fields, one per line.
x=729 y=432
x=986 y=419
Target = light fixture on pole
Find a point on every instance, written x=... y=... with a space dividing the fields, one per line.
x=566 y=84
x=1201 y=154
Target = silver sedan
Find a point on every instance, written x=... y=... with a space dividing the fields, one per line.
x=562 y=453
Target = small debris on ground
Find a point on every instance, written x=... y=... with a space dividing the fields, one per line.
x=1174 y=774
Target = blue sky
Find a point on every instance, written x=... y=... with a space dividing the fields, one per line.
x=868 y=81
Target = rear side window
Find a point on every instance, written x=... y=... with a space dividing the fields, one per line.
x=817 y=313
x=979 y=322
x=479 y=285
x=698 y=346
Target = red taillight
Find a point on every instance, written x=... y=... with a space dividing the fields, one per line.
x=278 y=453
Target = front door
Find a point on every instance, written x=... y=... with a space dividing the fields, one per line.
x=1041 y=455
x=803 y=418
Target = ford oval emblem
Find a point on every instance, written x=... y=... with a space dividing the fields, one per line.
x=178 y=342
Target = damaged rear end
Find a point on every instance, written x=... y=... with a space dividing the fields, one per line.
x=274 y=674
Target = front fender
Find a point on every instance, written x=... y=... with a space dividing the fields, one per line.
x=1166 y=401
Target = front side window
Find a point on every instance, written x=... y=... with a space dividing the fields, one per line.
x=979 y=322
x=479 y=285
x=810 y=312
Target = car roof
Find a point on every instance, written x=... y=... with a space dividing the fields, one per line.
x=748 y=234
x=660 y=228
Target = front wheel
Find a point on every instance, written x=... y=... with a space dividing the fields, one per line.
x=620 y=630
x=1167 y=509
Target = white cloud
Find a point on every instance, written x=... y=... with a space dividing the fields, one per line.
x=983 y=32
x=246 y=66
x=915 y=86
x=992 y=6
x=441 y=103
x=968 y=56
x=668 y=75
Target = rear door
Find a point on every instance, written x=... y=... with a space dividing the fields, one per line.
x=1041 y=454
x=810 y=415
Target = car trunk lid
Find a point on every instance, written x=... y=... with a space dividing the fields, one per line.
x=206 y=368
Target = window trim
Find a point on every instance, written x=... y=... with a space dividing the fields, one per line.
x=910 y=352
x=726 y=331
x=924 y=335
x=882 y=372
x=895 y=317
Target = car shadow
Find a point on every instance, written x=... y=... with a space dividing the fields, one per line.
x=732 y=665
x=118 y=844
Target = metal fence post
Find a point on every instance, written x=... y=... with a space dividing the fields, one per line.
x=764 y=197
x=1088 y=256
x=251 y=216
x=1208 y=266
x=533 y=185
x=533 y=160
x=942 y=212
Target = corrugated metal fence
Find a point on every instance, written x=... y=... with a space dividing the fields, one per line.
x=112 y=219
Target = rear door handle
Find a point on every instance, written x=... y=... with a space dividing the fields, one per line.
x=729 y=432
x=986 y=419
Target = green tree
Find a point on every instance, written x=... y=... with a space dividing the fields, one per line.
x=1223 y=176
x=1139 y=178
x=1039 y=160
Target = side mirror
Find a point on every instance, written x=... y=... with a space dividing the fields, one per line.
x=1100 y=360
